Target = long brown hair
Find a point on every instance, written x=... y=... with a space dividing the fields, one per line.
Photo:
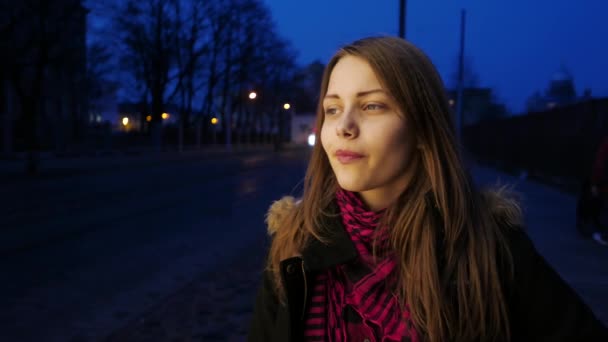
x=463 y=299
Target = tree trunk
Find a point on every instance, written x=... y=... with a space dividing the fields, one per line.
x=198 y=133
x=7 y=144
x=157 y=124
x=29 y=109
x=180 y=137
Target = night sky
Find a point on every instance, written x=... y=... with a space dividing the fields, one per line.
x=515 y=46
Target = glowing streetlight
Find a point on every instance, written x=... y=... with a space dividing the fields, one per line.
x=214 y=121
x=286 y=106
x=125 y=121
x=165 y=116
x=149 y=118
x=253 y=95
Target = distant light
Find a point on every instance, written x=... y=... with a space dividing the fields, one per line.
x=311 y=139
x=214 y=121
x=165 y=116
x=451 y=102
x=551 y=105
x=149 y=118
x=286 y=106
x=125 y=121
x=253 y=95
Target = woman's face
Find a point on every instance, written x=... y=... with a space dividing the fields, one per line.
x=366 y=136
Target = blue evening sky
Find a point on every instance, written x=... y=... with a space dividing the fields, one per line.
x=515 y=46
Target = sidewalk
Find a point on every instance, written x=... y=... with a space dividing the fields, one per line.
x=217 y=307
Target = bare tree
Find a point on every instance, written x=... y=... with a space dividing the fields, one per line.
x=238 y=40
x=260 y=59
x=147 y=32
x=191 y=47
x=279 y=80
x=306 y=86
x=219 y=21
x=208 y=53
x=99 y=69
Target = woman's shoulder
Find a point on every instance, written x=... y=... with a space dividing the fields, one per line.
x=503 y=204
x=278 y=211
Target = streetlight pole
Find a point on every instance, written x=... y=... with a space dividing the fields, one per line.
x=459 y=118
x=249 y=135
x=402 y=13
x=280 y=134
x=228 y=128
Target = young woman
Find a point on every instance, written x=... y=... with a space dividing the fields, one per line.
x=391 y=241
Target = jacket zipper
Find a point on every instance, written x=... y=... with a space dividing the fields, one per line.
x=305 y=291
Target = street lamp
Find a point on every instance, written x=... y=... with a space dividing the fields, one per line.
x=402 y=17
x=214 y=121
x=253 y=95
x=286 y=106
x=125 y=121
x=165 y=116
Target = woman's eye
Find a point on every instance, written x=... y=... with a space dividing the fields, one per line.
x=374 y=106
x=331 y=111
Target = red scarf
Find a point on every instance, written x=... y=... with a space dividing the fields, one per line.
x=352 y=302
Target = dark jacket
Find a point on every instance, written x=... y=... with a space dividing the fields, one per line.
x=542 y=307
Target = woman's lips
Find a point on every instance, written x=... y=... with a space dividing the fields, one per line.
x=346 y=156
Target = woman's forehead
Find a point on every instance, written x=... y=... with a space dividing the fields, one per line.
x=352 y=75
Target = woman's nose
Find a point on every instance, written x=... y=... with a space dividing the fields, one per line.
x=347 y=126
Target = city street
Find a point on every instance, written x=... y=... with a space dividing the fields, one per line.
x=173 y=251
x=83 y=255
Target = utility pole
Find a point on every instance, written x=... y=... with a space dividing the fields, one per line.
x=402 y=12
x=459 y=118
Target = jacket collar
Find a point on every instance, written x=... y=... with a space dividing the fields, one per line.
x=340 y=249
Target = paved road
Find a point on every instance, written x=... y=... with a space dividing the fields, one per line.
x=83 y=255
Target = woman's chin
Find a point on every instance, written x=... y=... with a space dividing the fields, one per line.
x=351 y=185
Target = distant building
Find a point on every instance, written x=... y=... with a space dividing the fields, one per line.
x=302 y=125
x=62 y=115
x=103 y=106
x=478 y=105
x=560 y=92
x=561 y=89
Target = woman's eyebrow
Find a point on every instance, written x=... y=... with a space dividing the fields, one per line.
x=359 y=94
x=365 y=93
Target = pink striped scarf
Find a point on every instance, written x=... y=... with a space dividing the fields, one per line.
x=369 y=296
